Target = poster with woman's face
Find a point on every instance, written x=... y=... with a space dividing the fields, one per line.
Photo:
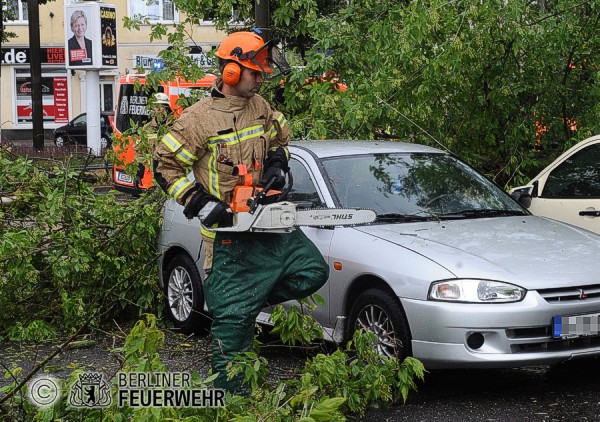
x=79 y=33
x=90 y=36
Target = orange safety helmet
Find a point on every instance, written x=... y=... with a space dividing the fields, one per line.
x=248 y=49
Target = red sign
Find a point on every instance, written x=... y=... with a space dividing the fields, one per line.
x=22 y=55
x=61 y=101
x=25 y=112
x=79 y=54
x=54 y=55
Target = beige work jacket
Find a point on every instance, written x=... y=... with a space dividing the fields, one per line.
x=213 y=137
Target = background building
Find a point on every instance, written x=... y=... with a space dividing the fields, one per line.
x=63 y=90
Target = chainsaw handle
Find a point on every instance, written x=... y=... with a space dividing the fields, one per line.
x=288 y=187
x=259 y=197
x=256 y=201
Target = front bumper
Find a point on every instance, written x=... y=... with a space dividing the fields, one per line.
x=510 y=334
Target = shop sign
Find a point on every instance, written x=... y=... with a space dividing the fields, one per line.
x=145 y=62
x=61 y=100
x=203 y=60
x=49 y=55
x=24 y=86
x=148 y=61
x=55 y=99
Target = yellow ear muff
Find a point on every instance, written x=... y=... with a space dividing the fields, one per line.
x=231 y=73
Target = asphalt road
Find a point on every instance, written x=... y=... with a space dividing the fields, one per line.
x=567 y=392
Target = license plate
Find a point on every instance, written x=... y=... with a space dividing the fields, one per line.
x=575 y=326
x=124 y=177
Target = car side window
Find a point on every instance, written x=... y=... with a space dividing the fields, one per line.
x=79 y=121
x=576 y=177
x=303 y=188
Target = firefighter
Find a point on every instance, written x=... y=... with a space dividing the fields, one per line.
x=161 y=114
x=233 y=135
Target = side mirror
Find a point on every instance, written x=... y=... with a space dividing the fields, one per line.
x=523 y=198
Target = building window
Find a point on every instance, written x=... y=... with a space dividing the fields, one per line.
x=55 y=95
x=154 y=10
x=209 y=14
x=14 y=11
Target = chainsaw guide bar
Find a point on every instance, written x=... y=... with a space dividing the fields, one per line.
x=283 y=217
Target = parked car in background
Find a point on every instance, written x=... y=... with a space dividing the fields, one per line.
x=568 y=189
x=75 y=132
x=453 y=272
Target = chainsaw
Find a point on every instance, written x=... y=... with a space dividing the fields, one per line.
x=265 y=210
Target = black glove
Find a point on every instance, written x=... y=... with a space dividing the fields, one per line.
x=137 y=182
x=216 y=212
x=276 y=166
x=208 y=208
x=139 y=176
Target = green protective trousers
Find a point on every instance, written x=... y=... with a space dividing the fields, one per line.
x=251 y=271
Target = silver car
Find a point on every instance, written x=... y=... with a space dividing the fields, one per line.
x=453 y=272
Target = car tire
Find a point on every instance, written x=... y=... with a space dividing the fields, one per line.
x=184 y=296
x=104 y=142
x=60 y=141
x=380 y=313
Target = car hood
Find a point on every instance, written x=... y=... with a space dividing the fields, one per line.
x=530 y=251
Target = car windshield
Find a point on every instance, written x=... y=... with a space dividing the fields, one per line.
x=417 y=186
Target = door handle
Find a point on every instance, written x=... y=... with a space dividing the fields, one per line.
x=590 y=213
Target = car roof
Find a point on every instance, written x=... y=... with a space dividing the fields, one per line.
x=336 y=148
x=102 y=113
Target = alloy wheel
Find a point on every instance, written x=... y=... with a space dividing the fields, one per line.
x=374 y=319
x=180 y=294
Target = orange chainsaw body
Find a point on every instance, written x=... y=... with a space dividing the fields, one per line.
x=241 y=195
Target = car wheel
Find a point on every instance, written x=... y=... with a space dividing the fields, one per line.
x=59 y=141
x=380 y=313
x=184 y=295
x=104 y=142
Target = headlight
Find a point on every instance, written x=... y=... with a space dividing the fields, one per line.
x=475 y=291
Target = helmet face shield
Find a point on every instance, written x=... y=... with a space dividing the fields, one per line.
x=249 y=50
x=277 y=61
x=271 y=60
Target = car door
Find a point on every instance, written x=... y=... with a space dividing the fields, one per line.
x=78 y=129
x=569 y=189
x=308 y=192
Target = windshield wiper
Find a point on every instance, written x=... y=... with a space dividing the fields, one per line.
x=402 y=217
x=482 y=213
